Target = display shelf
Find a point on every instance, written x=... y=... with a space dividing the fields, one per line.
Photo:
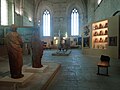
x=100 y=32
x=100 y=35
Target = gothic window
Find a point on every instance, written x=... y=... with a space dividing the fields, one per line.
x=4 y=12
x=74 y=22
x=12 y=13
x=46 y=23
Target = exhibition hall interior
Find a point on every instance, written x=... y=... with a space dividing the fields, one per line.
x=59 y=44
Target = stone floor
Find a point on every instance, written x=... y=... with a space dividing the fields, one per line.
x=77 y=72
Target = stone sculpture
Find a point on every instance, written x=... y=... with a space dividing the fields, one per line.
x=14 y=48
x=37 y=50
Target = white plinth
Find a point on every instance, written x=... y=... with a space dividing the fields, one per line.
x=36 y=70
x=20 y=81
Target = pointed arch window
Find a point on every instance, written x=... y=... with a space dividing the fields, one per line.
x=13 y=13
x=4 y=12
x=46 y=23
x=74 y=22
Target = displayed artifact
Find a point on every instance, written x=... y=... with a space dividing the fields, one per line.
x=100 y=46
x=62 y=45
x=103 y=47
x=100 y=26
x=113 y=41
x=94 y=46
x=95 y=34
x=106 y=32
x=101 y=33
x=101 y=40
x=37 y=50
x=86 y=42
x=106 y=45
x=106 y=39
x=14 y=48
x=96 y=27
x=96 y=40
x=97 y=46
x=106 y=25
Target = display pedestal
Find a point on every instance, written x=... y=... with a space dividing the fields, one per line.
x=39 y=81
x=16 y=82
x=62 y=53
x=36 y=70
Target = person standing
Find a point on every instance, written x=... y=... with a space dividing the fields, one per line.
x=14 y=48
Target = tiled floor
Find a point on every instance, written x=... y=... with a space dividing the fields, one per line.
x=77 y=72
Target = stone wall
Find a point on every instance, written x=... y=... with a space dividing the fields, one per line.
x=24 y=9
x=28 y=12
x=60 y=11
x=105 y=10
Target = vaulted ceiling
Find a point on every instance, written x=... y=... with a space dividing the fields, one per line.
x=83 y=3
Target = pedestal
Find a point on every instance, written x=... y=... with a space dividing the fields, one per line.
x=36 y=70
x=21 y=81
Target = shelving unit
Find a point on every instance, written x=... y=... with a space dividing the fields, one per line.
x=100 y=35
x=109 y=30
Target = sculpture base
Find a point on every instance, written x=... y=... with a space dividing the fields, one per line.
x=36 y=70
x=39 y=81
x=62 y=53
x=21 y=81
